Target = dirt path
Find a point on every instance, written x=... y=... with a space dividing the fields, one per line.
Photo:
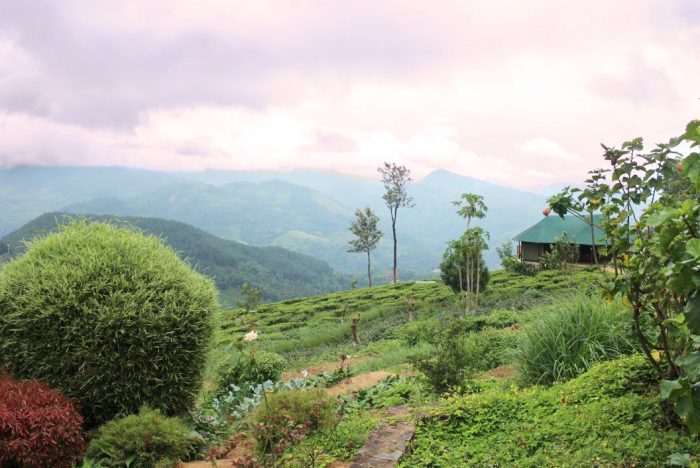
x=387 y=443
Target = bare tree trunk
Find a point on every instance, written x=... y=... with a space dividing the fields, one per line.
x=393 y=230
x=355 y=338
x=369 y=273
x=478 y=279
x=595 y=253
x=461 y=287
x=470 y=286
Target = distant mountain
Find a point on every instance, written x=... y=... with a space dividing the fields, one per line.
x=279 y=272
x=29 y=191
x=424 y=229
x=307 y=212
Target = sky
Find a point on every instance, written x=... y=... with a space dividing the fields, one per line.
x=517 y=93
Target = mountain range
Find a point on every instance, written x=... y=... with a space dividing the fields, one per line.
x=280 y=273
x=307 y=212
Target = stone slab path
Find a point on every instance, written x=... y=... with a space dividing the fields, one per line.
x=387 y=443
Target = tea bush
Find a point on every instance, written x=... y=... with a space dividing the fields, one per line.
x=38 y=426
x=459 y=356
x=141 y=441
x=289 y=416
x=567 y=342
x=609 y=416
x=111 y=317
x=256 y=368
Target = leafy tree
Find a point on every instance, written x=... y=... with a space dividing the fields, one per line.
x=505 y=250
x=656 y=255
x=367 y=235
x=395 y=179
x=251 y=298
x=453 y=268
x=472 y=206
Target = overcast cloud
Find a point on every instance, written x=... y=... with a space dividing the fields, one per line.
x=520 y=93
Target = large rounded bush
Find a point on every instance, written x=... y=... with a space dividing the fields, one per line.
x=111 y=317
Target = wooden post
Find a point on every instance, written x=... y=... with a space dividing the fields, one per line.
x=354 y=330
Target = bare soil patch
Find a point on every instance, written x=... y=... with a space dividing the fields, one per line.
x=358 y=382
x=502 y=372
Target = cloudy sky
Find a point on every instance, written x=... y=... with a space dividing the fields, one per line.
x=520 y=93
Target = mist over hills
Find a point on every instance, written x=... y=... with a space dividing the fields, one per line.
x=280 y=273
x=307 y=212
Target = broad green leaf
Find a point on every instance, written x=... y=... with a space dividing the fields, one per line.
x=678 y=459
x=688 y=408
x=658 y=218
x=669 y=387
x=691 y=365
x=692 y=247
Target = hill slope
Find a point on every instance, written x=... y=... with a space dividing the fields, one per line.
x=279 y=272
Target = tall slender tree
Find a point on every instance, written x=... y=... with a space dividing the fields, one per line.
x=367 y=235
x=471 y=206
x=395 y=179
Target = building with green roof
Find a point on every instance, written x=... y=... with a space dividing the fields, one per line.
x=539 y=238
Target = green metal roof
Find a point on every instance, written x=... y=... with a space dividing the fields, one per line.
x=549 y=228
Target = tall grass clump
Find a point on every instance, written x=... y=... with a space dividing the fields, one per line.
x=109 y=316
x=567 y=342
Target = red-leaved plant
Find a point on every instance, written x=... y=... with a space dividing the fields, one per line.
x=38 y=426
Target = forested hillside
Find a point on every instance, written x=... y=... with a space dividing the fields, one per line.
x=280 y=273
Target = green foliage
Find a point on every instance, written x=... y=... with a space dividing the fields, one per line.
x=606 y=417
x=253 y=368
x=460 y=356
x=251 y=298
x=145 y=440
x=515 y=265
x=563 y=253
x=280 y=273
x=367 y=235
x=567 y=342
x=290 y=415
x=453 y=268
x=392 y=391
x=341 y=442
x=656 y=256
x=505 y=250
x=111 y=317
x=395 y=179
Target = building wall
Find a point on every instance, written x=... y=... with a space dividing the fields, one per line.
x=531 y=252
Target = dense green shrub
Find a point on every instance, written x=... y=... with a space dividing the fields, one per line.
x=257 y=367
x=515 y=265
x=459 y=356
x=145 y=440
x=567 y=342
x=289 y=415
x=109 y=316
x=609 y=416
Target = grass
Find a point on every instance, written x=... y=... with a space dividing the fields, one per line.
x=577 y=334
